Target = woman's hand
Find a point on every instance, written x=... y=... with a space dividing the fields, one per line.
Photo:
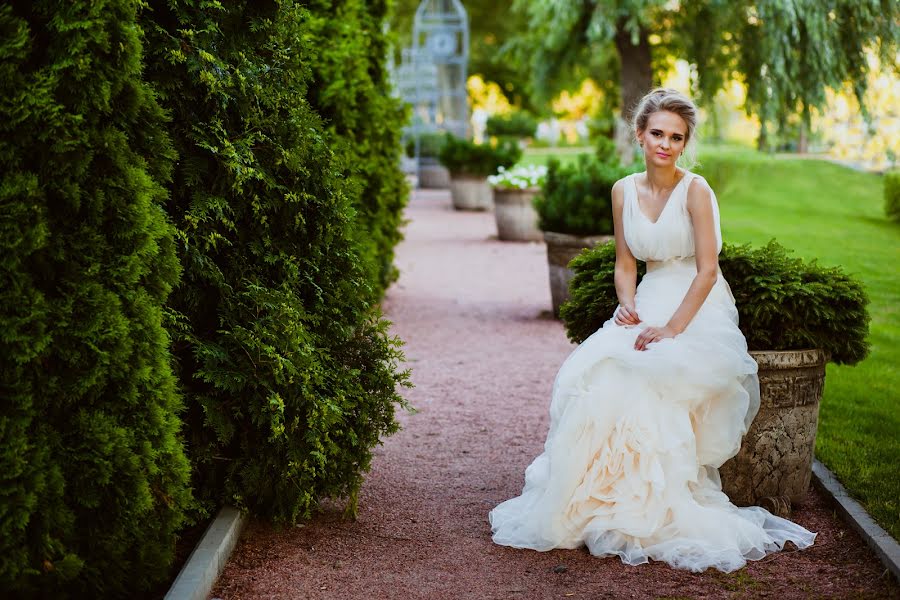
x=653 y=334
x=626 y=315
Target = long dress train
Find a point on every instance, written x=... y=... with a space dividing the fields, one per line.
x=630 y=464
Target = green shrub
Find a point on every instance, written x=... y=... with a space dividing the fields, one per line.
x=290 y=375
x=517 y=124
x=430 y=144
x=892 y=195
x=462 y=157
x=605 y=151
x=93 y=477
x=349 y=88
x=577 y=198
x=783 y=303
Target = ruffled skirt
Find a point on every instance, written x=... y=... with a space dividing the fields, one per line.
x=630 y=463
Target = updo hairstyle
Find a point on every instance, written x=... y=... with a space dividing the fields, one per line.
x=673 y=101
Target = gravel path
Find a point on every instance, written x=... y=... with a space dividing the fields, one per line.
x=475 y=315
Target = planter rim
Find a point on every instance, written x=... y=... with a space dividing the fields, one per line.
x=788 y=359
x=568 y=239
x=467 y=176
x=507 y=190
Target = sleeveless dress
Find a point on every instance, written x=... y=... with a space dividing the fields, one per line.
x=630 y=464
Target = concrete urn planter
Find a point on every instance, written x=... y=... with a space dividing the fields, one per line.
x=471 y=193
x=561 y=248
x=433 y=175
x=515 y=215
x=774 y=465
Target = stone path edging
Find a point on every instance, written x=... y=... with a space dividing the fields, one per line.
x=203 y=566
x=885 y=547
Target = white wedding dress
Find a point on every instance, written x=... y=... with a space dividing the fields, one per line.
x=630 y=464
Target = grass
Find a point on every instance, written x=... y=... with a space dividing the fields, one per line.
x=565 y=155
x=833 y=214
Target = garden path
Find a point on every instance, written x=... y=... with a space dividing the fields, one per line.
x=474 y=313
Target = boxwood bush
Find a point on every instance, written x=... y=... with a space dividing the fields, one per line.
x=93 y=478
x=465 y=158
x=783 y=303
x=892 y=195
x=517 y=124
x=290 y=375
x=577 y=198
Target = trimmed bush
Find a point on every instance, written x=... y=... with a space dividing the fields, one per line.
x=783 y=303
x=430 y=145
x=466 y=158
x=577 y=198
x=290 y=375
x=892 y=195
x=349 y=88
x=93 y=479
x=517 y=124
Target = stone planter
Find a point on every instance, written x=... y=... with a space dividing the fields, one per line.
x=774 y=465
x=433 y=175
x=561 y=248
x=471 y=193
x=516 y=218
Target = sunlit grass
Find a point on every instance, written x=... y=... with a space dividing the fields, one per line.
x=834 y=214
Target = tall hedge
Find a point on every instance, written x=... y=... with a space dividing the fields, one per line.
x=93 y=481
x=350 y=89
x=290 y=374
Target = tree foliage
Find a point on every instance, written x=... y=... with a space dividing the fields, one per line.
x=93 y=479
x=289 y=372
x=786 y=52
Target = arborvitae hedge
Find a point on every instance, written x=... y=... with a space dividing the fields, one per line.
x=289 y=372
x=350 y=89
x=93 y=481
x=783 y=303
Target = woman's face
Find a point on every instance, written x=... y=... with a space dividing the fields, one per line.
x=664 y=138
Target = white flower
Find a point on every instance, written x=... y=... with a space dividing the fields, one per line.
x=519 y=178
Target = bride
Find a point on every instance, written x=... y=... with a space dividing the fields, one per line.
x=647 y=408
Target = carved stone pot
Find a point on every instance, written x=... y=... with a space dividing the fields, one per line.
x=471 y=193
x=515 y=215
x=774 y=465
x=433 y=175
x=561 y=248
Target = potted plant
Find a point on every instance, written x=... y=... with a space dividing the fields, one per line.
x=796 y=317
x=514 y=193
x=431 y=173
x=575 y=212
x=470 y=164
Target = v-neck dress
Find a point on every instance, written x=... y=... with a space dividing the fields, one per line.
x=630 y=462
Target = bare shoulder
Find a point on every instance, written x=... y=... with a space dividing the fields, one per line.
x=699 y=193
x=618 y=192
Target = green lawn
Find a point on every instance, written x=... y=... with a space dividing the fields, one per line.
x=833 y=214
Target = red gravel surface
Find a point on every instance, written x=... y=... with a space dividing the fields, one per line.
x=474 y=313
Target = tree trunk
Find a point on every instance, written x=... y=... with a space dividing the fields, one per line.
x=636 y=79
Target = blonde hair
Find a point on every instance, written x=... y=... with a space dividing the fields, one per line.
x=668 y=99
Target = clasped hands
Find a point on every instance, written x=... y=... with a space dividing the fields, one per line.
x=627 y=315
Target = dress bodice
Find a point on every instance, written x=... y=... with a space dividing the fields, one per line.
x=672 y=235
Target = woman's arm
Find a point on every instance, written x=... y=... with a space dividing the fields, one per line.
x=626 y=265
x=699 y=205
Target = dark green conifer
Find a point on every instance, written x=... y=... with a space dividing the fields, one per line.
x=93 y=479
x=290 y=374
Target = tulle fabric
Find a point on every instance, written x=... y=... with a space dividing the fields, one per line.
x=629 y=466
